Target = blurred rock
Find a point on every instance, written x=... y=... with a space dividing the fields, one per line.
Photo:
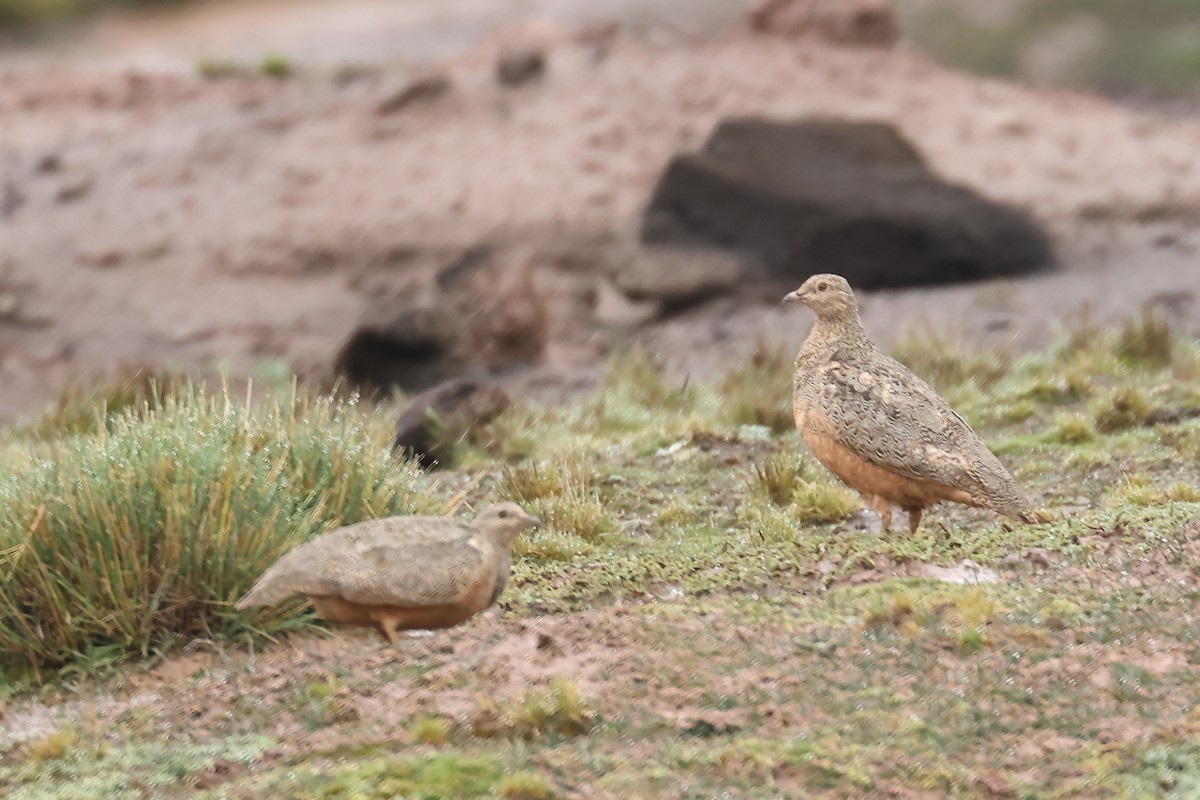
x=482 y=311
x=855 y=22
x=836 y=196
x=412 y=347
x=74 y=190
x=48 y=164
x=438 y=417
x=422 y=88
x=501 y=314
x=11 y=198
x=678 y=277
x=520 y=65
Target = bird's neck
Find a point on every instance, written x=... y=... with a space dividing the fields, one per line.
x=832 y=333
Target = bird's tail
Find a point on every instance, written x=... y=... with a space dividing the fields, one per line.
x=260 y=595
x=246 y=602
x=1031 y=516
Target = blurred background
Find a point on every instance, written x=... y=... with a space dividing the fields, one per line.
x=395 y=193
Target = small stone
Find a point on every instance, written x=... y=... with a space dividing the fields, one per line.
x=519 y=66
x=11 y=199
x=423 y=88
x=49 y=164
x=73 y=190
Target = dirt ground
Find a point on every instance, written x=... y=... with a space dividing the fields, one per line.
x=154 y=217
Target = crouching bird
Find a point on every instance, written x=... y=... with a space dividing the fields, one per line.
x=399 y=573
x=882 y=430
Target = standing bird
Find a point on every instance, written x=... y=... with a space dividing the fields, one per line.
x=399 y=573
x=882 y=430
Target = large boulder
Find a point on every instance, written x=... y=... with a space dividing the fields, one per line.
x=854 y=198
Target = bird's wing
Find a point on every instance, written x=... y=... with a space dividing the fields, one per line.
x=411 y=561
x=887 y=416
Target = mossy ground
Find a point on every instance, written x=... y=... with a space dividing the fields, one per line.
x=707 y=613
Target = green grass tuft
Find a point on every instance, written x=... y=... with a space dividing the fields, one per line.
x=759 y=391
x=946 y=364
x=430 y=730
x=440 y=776
x=1146 y=339
x=123 y=541
x=1126 y=407
x=525 y=786
x=276 y=65
x=87 y=405
x=558 y=710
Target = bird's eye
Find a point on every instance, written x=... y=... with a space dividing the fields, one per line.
x=503 y=515
x=822 y=286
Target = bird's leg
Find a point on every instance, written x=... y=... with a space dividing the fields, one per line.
x=884 y=509
x=387 y=627
x=914 y=518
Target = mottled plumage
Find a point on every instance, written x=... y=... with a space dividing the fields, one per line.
x=882 y=430
x=398 y=573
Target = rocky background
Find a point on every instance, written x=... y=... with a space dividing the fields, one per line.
x=263 y=190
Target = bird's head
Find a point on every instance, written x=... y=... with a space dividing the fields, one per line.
x=828 y=295
x=503 y=522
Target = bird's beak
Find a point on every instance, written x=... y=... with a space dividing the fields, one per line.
x=792 y=297
x=534 y=522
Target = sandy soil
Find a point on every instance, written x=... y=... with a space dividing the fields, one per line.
x=154 y=217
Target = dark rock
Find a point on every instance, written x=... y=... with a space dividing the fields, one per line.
x=520 y=65
x=411 y=348
x=74 y=190
x=437 y=418
x=834 y=196
x=678 y=278
x=855 y=22
x=48 y=164
x=11 y=199
x=479 y=313
x=423 y=88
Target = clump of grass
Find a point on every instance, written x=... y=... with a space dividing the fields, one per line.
x=783 y=480
x=777 y=478
x=894 y=610
x=759 y=391
x=1146 y=339
x=125 y=769
x=824 y=502
x=1072 y=429
x=1137 y=490
x=52 y=747
x=325 y=702
x=126 y=540
x=276 y=65
x=1127 y=407
x=634 y=380
x=976 y=606
x=439 y=775
x=560 y=710
x=430 y=730
x=525 y=786
x=534 y=480
x=86 y=405
x=217 y=69
x=946 y=364
x=1018 y=412
x=562 y=493
x=1183 y=493
x=1073 y=385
